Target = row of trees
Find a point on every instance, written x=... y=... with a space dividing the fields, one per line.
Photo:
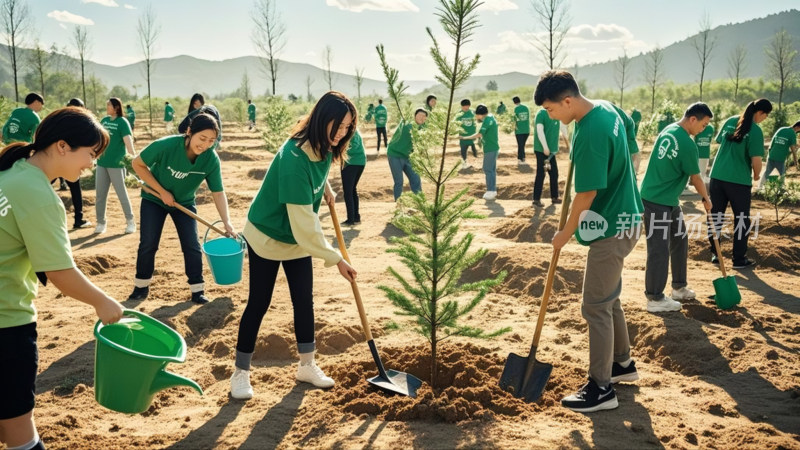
x=17 y=26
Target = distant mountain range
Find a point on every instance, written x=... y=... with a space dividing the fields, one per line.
x=183 y=75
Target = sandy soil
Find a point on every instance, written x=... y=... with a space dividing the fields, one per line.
x=709 y=378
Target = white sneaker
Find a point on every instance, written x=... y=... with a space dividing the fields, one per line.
x=100 y=228
x=311 y=373
x=490 y=195
x=240 y=384
x=683 y=293
x=465 y=165
x=131 y=228
x=667 y=304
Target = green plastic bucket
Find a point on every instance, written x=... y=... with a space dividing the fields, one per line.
x=129 y=362
x=225 y=257
x=726 y=292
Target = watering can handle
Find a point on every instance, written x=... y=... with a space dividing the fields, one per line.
x=185 y=210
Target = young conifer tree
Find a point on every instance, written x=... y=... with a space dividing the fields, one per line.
x=432 y=248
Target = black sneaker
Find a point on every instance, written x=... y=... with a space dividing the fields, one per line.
x=746 y=263
x=538 y=203
x=619 y=373
x=591 y=397
x=557 y=201
x=348 y=223
x=82 y=224
x=714 y=259
x=199 y=298
x=139 y=293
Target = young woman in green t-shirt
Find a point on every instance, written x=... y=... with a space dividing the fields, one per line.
x=737 y=164
x=34 y=243
x=111 y=168
x=174 y=167
x=283 y=229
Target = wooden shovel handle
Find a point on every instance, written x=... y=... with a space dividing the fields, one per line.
x=343 y=248
x=184 y=210
x=716 y=246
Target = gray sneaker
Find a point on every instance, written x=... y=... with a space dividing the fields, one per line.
x=667 y=304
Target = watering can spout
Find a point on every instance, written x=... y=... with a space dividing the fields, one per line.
x=166 y=380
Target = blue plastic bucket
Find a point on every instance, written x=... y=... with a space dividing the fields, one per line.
x=225 y=256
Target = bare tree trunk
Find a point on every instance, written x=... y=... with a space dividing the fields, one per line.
x=16 y=18
x=621 y=75
x=781 y=55
x=149 y=30
x=553 y=17
x=269 y=37
x=327 y=59
x=653 y=73
x=704 y=45
x=737 y=64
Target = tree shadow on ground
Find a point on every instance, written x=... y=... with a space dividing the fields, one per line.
x=270 y=431
x=772 y=296
x=207 y=435
x=630 y=423
x=70 y=370
x=93 y=239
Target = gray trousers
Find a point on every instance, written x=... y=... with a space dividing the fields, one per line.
x=602 y=284
x=667 y=245
x=104 y=177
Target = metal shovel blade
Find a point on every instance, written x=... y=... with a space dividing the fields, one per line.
x=513 y=378
x=397 y=383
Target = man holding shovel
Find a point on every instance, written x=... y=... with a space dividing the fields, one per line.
x=674 y=159
x=605 y=215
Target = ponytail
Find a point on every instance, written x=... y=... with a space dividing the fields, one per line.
x=746 y=119
x=13 y=153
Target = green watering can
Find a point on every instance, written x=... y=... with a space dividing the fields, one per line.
x=130 y=358
x=726 y=291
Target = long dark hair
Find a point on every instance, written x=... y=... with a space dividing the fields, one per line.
x=196 y=96
x=75 y=126
x=202 y=122
x=313 y=128
x=117 y=105
x=746 y=119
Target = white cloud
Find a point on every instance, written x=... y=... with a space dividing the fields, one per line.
x=110 y=3
x=127 y=6
x=600 y=32
x=68 y=17
x=374 y=5
x=497 y=6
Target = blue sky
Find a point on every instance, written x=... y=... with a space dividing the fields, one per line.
x=221 y=29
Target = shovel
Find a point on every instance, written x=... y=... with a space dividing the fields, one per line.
x=726 y=292
x=390 y=381
x=526 y=377
x=184 y=210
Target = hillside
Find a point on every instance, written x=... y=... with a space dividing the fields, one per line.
x=182 y=75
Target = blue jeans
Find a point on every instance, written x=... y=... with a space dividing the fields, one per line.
x=398 y=166
x=153 y=216
x=490 y=169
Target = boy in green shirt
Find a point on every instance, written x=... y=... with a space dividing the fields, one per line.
x=398 y=152
x=785 y=139
x=131 y=115
x=169 y=116
x=522 y=128
x=23 y=121
x=673 y=161
x=251 y=114
x=606 y=214
x=491 y=147
x=467 y=120
x=381 y=117
x=545 y=147
x=501 y=108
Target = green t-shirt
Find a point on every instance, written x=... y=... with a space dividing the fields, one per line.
x=733 y=162
x=636 y=116
x=602 y=162
x=21 y=125
x=703 y=141
x=673 y=161
x=169 y=113
x=468 y=127
x=501 y=109
x=400 y=145
x=489 y=134
x=117 y=129
x=131 y=115
x=356 y=155
x=779 y=147
x=33 y=238
x=251 y=112
x=551 y=130
x=522 y=115
x=630 y=130
x=292 y=178
x=169 y=164
x=381 y=116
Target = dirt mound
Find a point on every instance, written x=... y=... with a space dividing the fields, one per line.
x=275 y=347
x=528 y=225
x=776 y=246
x=257 y=174
x=235 y=156
x=335 y=339
x=235 y=201
x=467 y=387
x=527 y=271
x=96 y=264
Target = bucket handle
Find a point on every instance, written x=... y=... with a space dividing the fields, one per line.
x=239 y=237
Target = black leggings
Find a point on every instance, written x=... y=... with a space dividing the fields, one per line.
x=538 y=182
x=521 y=140
x=381 y=132
x=263 y=273
x=739 y=196
x=350 y=177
